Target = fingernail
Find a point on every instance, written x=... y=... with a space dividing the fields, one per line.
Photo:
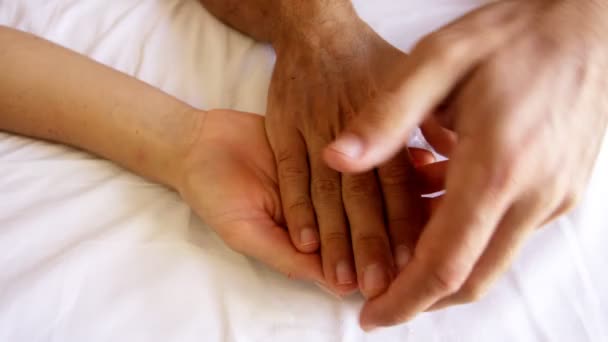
x=374 y=278
x=328 y=291
x=402 y=256
x=345 y=273
x=308 y=237
x=349 y=145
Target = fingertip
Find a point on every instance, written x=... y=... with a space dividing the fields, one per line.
x=421 y=157
x=348 y=145
x=340 y=162
x=350 y=153
x=371 y=319
x=366 y=321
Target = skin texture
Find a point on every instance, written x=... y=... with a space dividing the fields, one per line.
x=330 y=64
x=522 y=86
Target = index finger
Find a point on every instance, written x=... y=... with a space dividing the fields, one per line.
x=450 y=245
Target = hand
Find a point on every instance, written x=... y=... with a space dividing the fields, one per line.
x=322 y=79
x=522 y=84
x=230 y=181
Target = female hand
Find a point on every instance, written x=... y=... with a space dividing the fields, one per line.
x=229 y=179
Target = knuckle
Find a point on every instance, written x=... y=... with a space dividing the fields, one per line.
x=301 y=203
x=501 y=178
x=501 y=171
x=284 y=156
x=445 y=280
x=472 y=292
x=325 y=186
x=374 y=120
x=445 y=46
x=396 y=174
x=289 y=165
x=455 y=49
x=235 y=243
x=292 y=172
x=371 y=241
x=360 y=185
x=571 y=201
x=334 y=237
x=409 y=220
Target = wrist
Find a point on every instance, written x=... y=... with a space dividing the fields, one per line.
x=316 y=25
x=185 y=135
x=165 y=146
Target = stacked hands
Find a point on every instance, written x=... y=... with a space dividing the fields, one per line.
x=513 y=93
x=324 y=189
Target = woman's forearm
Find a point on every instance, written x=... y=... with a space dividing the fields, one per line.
x=51 y=93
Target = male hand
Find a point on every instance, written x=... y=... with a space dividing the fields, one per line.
x=522 y=85
x=327 y=70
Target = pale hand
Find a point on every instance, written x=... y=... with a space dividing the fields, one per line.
x=230 y=181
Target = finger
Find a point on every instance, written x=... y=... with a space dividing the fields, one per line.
x=519 y=222
x=270 y=244
x=434 y=68
x=371 y=246
x=456 y=236
x=403 y=205
x=432 y=177
x=421 y=156
x=441 y=139
x=336 y=249
x=294 y=186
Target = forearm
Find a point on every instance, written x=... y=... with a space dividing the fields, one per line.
x=270 y=20
x=51 y=93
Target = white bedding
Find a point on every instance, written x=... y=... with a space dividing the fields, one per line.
x=90 y=252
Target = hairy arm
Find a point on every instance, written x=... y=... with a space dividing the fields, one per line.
x=48 y=92
x=270 y=20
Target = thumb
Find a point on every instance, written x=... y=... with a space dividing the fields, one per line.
x=435 y=67
x=270 y=244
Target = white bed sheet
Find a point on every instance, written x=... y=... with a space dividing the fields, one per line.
x=90 y=252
